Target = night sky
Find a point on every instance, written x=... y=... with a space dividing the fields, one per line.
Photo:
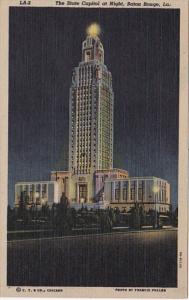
x=141 y=51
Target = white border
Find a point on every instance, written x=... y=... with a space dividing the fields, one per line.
x=181 y=291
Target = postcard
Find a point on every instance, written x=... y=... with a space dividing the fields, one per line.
x=94 y=148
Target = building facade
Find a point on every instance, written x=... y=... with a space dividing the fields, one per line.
x=91 y=179
x=90 y=121
x=91 y=112
x=151 y=193
x=37 y=193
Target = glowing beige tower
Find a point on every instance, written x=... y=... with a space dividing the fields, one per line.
x=91 y=118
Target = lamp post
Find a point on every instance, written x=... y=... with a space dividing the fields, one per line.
x=155 y=190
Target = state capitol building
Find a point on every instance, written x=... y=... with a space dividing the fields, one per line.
x=91 y=180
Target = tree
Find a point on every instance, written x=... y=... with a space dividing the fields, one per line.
x=64 y=201
x=74 y=216
x=105 y=222
x=112 y=216
x=11 y=218
x=63 y=216
x=175 y=217
x=45 y=212
x=135 y=217
x=142 y=215
x=22 y=211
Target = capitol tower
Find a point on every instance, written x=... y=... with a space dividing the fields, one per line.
x=91 y=110
x=91 y=116
x=91 y=181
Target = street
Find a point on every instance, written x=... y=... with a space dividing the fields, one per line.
x=137 y=259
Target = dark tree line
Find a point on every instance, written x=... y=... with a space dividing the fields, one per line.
x=63 y=219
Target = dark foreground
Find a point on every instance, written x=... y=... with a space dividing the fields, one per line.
x=139 y=259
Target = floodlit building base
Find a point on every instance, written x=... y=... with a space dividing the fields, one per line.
x=151 y=193
x=106 y=188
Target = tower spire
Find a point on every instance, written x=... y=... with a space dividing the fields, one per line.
x=92 y=48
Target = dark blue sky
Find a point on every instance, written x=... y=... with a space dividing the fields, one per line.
x=141 y=51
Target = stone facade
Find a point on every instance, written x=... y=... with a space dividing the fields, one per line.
x=151 y=193
x=91 y=179
x=37 y=193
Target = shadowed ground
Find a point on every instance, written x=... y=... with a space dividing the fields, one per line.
x=147 y=259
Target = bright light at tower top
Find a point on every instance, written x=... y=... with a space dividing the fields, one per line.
x=93 y=30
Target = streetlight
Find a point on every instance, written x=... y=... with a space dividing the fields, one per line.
x=155 y=190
